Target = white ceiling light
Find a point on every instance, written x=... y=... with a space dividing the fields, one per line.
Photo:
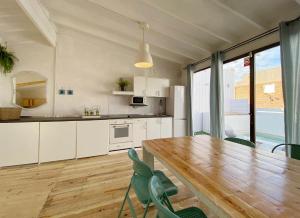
x=144 y=58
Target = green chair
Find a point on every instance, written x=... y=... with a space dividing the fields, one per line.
x=201 y=133
x=164 y=206
x=295 y=150
x=241 y=141
x=139 y=182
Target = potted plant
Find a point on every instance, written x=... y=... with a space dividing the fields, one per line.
x=123 y=83
x=7 y=60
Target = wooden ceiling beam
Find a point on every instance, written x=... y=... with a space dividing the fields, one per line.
x=157 y=27
x=239 y=14
x=114 y=37
x=298 y=1
x=39 y=17
x=182 y=20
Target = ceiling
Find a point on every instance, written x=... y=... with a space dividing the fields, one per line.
x=15 y=26
x=181 y=31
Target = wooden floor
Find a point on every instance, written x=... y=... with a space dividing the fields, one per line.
x=90 y=187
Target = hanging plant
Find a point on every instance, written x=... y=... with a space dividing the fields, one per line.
x=7 y=60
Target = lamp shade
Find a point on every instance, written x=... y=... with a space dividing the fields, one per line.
x=144 y=58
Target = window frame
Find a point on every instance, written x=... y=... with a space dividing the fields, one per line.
x=252 y=82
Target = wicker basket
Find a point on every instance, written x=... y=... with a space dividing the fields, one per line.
x=10 y=113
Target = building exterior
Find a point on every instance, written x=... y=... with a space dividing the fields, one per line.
x=268 y=89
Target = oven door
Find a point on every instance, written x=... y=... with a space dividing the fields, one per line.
x=120 y=133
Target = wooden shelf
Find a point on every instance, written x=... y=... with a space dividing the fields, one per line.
x=122 y=92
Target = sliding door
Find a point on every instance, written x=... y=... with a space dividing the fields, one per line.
x=253 y=99
x=269 y=106
x=236 y=76
x=201 y=105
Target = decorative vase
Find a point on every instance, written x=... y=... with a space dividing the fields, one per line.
x=122 y=88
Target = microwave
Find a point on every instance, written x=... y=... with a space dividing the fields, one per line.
x=138 y=100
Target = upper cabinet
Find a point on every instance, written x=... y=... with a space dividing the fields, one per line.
x=151 y=87
x=139 y=86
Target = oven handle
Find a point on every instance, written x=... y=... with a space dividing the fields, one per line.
x=120 y=126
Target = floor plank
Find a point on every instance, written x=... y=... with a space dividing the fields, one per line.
x=90 y=187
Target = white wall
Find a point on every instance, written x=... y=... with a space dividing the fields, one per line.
x=32 y=57
x=88 y=65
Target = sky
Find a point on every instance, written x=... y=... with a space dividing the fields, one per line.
x=263 y=60
x=268 y=59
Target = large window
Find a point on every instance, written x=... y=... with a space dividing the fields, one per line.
x=201 y=90
x=237 y=98
x=269 y=117
x=253 y=99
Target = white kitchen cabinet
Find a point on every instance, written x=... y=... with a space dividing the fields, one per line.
x=153 y=128
x=151 y=86
x=57 y=141
x=139 y=131
x=163 y=87
x=159 y=128
x=92 y=138
x=166 y=127
x=157 y=87
x=139 y=86
x=19 y=143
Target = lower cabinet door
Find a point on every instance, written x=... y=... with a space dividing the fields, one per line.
x=166 y=127
x=92 y=138
x=139 y=131
x=153 y=128
x=57 y=141
x=19 y=143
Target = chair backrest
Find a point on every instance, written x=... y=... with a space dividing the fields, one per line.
x=295 y=150
x=160 y=199
x=241 y=141
x=201 y=133
x=141 y=177
x=140 y=168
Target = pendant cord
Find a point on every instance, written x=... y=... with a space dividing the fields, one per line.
x=143 y=35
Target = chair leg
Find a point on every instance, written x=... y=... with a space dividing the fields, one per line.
x=131 y=207
x=146 y=208
x=123 y=203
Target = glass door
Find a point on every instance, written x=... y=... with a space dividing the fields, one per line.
x=236 y=77
x=201 y=108
x=269 y=106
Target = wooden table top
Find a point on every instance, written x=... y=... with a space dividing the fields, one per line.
x=236 y=179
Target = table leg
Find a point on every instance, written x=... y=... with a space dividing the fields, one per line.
x=148 y=158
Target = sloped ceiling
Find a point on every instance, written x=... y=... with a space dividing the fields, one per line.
x=24 y=21
x=182 y=31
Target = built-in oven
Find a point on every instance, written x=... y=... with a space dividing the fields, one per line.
x=121 y=132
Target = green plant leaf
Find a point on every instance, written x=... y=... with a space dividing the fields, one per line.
x=7 y=60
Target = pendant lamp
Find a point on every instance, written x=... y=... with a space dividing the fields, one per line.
x=144 y=58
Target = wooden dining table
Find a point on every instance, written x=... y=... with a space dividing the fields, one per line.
x=232 y=180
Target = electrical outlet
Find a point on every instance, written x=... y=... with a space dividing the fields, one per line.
x=70 y=92
x=61 y=92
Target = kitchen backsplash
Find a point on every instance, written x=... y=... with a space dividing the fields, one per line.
x=111 y=104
